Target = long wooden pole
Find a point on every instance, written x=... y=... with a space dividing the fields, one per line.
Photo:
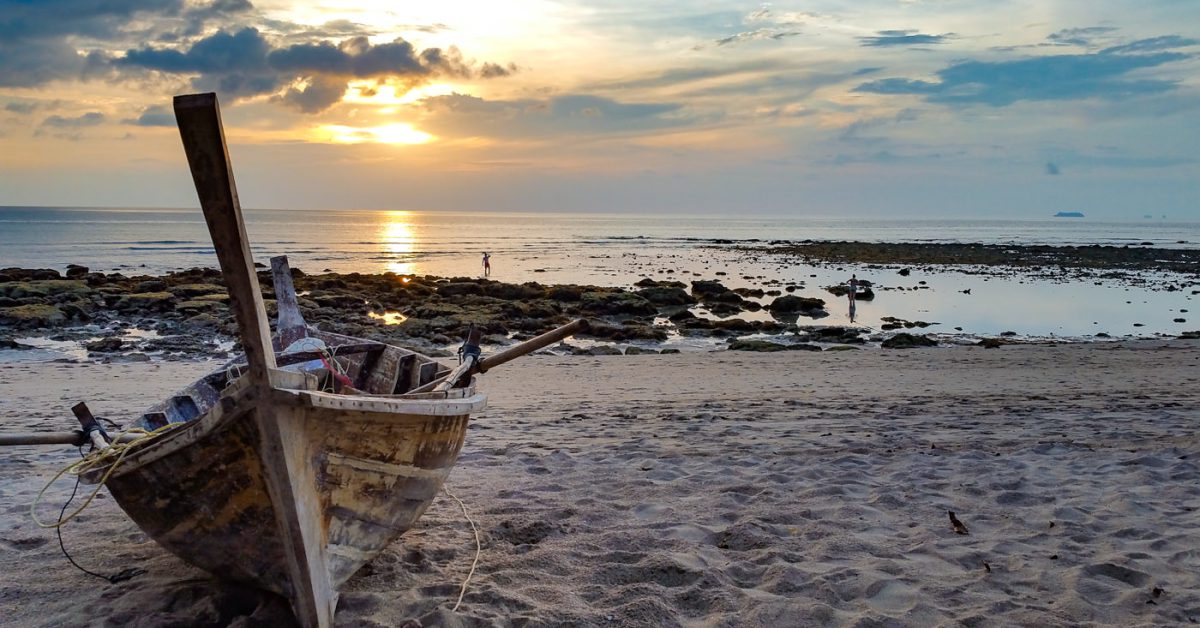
x=50 y=438
x=282 y=448
x=507 y=355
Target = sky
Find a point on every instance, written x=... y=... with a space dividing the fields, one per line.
x=890 y=108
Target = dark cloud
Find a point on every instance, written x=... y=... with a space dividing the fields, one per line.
x=494 y=70
x=246 y=63
x=760 y=34
x=92 y=118
x=1153 y=44
x=903 y=38
x=156 y=115
x=1055 y=77
x=20 y=107
x=318 y=95
x=1085 y=36
x=44 y=41
x=1052 y=168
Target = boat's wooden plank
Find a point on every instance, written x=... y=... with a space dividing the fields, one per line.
x=289 y=321
x=403 y=382
x=382 y=377
x=286 y=468
x=393 y=405
x=426 y=373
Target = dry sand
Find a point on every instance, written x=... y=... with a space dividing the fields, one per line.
x=722 y=489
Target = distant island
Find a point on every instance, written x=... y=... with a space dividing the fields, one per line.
x=1069 y=215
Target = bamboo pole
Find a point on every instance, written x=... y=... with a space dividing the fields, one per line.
x=507 y=355
x=75 y=438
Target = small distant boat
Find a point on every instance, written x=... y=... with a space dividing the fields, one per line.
x=1069 y=215
x=291 y=468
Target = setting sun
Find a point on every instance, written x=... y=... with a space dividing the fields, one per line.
x=396 y=133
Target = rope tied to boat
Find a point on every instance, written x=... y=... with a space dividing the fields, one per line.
x=478 y=549
x=113 y=455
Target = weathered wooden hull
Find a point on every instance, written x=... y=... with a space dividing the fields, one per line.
x=376 y=463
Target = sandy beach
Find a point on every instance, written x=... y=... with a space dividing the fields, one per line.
x=719 y=489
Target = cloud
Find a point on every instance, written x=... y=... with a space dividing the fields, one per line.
x=155 y=115
x=1054 y=77
x=903 y=38
x=20 y=107
x=1153 y=44
x=37 y=38
x=312 y=76
x=1085 y=36
x=565 y=115
x=92 y=118
x=756 y=35
x=776 y=27
x=1052 y=168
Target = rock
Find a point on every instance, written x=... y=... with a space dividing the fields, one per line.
x=616 y=302
x=150 y=285
x=43 y=288
x=705 y=288
x=904 y=272
x=991 y=343
x=682 y=315
x=791 y=303
x=459 y=288
x=32 y=316
x=513 y=292
x=105 y=345
x=154 y=301
x=638 y=351
x=1008 y=334
x=765 y=346
x=75 y=271
x=9 y=343
x=198 y=289
x=904 y=340
x=666 y=295
x=1180 y=320
x=670 y=351
x=604 y=350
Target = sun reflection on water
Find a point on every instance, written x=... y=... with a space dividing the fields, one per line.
x=398 y=239
x=388 y=318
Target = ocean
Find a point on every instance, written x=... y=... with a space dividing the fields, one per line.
x=618 y=250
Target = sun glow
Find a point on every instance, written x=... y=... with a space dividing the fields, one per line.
x=395 y=133
x=389 y=94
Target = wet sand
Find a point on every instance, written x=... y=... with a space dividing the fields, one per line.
x=717 y=489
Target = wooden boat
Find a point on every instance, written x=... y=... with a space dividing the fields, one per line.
x=293 y=469
x=366 y=465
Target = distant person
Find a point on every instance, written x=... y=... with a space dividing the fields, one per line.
x=853 y=287
x=487 y=264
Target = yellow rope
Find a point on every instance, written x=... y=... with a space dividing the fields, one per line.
x=478 y=549
x=95 y=460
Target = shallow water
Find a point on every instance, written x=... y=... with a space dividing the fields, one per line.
x=618 y=250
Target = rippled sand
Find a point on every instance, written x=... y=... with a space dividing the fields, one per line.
x=721 y=489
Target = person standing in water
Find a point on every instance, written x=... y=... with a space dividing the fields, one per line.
x=853 y=287
x=487 y=264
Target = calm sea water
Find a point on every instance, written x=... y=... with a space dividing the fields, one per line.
x=620 y=249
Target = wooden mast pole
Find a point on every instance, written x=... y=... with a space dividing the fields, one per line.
x=282 y=449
